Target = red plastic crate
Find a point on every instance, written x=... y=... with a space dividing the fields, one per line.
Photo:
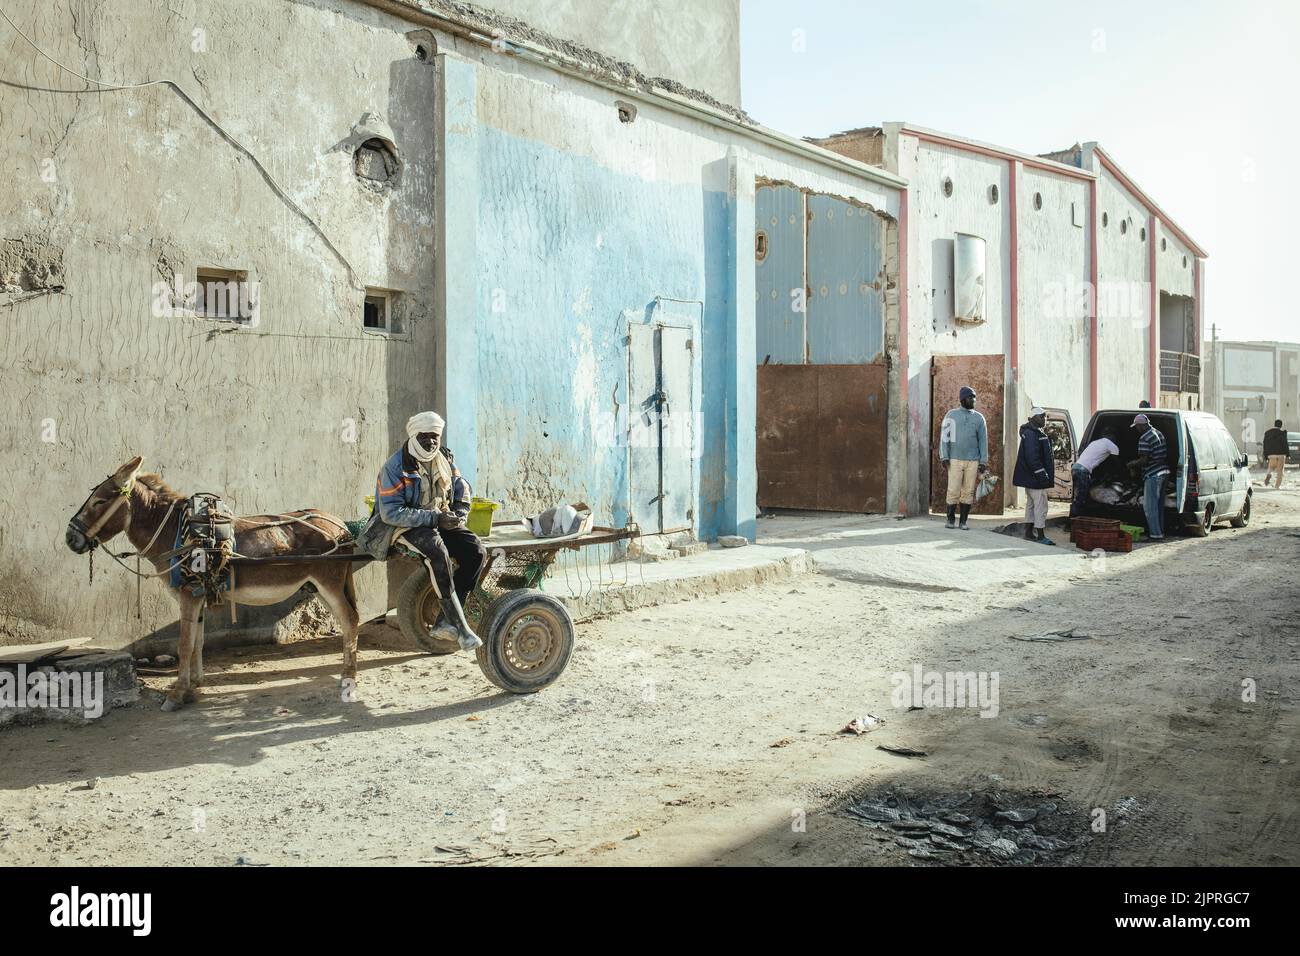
x=1093 y=525
x=1105 y=540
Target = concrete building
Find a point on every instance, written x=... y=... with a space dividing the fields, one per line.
x=1252 y=384
x=1001 y=253
x=541 y=229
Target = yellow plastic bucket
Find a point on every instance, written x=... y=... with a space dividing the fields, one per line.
x=480 y=516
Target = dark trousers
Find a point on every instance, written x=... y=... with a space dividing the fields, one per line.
x=440 y=546
x=1082 y=483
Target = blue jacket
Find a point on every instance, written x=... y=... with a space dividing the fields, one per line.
x=1035 y=466
x=964 y=436
x=399 y=489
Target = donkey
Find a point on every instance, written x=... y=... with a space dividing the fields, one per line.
x=149 y=513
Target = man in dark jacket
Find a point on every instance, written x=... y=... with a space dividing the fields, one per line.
x=1275 y=450
x=1036 y=473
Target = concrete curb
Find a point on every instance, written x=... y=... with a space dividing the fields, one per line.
x=717 y=572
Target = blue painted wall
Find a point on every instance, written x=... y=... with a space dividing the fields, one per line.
x=567 y=254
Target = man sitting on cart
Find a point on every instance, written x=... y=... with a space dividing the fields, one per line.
x=421 y=501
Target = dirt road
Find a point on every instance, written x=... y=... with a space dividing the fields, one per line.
x=708 y=732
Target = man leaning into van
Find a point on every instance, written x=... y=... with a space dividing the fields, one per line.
x=1153 y=460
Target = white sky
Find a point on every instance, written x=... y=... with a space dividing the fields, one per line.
x=1196 y=100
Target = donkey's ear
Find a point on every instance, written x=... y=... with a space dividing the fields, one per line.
x=128 y=471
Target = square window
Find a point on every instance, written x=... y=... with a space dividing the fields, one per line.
x=375 y=314
x=225 y=294
x=380 y=311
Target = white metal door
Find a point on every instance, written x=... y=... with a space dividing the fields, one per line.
x=661 y=427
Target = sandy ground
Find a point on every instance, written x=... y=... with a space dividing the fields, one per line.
x=706 y=732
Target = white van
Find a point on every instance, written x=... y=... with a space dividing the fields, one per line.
x=1210 y=474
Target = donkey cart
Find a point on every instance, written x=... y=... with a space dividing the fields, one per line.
x=527 y=634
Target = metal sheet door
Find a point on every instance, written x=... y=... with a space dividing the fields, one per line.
x=676 y=357
x=845 y=319
x=779 y=274
x=985 y=374
x=821 y=437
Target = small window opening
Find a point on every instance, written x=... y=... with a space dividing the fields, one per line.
x=1184 y=262
x=1142 y=234
x=947 y=186
x=626 y=111
x=993 y=194
x=378 y=312
x=224 y=294
x=1038 y=201
x=760 y=246
x=424 y=46
x=1105 y=219
x=1164 y=244
x=375 y=162
x=1123 y=227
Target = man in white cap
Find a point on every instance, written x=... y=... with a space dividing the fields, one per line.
x=421 y=499
x=1036 y=473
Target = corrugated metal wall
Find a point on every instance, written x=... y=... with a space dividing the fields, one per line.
x=844 y=280
x=834 y=251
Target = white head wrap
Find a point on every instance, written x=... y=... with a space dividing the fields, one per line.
x=418 y=424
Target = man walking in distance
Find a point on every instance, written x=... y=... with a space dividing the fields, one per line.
x=1275 y=450
x=964 y=452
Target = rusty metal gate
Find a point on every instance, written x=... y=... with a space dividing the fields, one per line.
x=986 y=374
x=822 y=405
x=821 y=437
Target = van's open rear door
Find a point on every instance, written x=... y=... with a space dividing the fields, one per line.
x=1065 y=448
x=1184 y=454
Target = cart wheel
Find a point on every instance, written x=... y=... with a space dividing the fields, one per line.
x=417 y=610
x=527 y=641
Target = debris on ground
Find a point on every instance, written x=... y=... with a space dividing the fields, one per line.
x=901 y=750
x=1067 y=635
x=862 y=725
x=962 y=828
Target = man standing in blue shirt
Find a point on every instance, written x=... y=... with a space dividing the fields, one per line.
x=964 y=452
x=1153 y=461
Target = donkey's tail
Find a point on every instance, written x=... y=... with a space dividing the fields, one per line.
x=350 y=589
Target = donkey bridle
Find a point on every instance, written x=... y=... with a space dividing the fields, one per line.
x=91 y=534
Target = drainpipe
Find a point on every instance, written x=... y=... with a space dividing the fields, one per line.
x=1153 y=341
x=1013 y=175
x=1092 y=305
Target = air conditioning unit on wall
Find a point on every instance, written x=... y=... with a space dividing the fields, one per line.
x=968 y=281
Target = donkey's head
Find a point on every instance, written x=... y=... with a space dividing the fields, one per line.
x=107 y=512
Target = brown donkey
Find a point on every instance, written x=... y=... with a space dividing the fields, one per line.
x=148 y=512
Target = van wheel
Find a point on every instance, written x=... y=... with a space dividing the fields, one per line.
x=1243 y=519
x=1202 y=528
